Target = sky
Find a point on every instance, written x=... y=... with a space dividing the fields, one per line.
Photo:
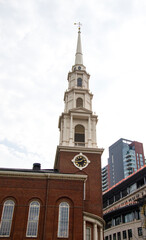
x=37 y=50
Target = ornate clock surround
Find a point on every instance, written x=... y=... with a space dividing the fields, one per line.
x=80 y=161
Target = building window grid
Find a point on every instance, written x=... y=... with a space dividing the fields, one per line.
x=6 y=219
x=33 y=218
x=63 y=223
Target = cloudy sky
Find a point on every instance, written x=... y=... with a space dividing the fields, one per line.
x=37 y=50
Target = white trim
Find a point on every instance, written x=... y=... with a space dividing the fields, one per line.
x=43 y=175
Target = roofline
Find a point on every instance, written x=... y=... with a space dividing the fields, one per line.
x=42 y=175
x=117 y=184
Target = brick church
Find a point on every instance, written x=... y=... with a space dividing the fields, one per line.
x=64 y=202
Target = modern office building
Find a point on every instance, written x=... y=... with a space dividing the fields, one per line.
x=64 y=202
x=124 y=208
x=105 y=178
x=125 y=157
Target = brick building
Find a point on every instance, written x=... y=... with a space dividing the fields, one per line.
x=124 y=208
x=64 y=202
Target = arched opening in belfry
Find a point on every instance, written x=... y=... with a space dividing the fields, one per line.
x=79 y=134
x=79 y=102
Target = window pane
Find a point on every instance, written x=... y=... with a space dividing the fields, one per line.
x=139 y=231
x=79 y=133
x=129 y=233
x=6 y=220
x=124 y=235
x=33 y=218
x=63 y=220
x=88 y=233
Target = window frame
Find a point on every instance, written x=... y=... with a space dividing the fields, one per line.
x=61 y=221
x=9 y=220
x=30 y=221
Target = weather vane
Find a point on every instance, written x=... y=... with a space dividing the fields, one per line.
x=79 y=25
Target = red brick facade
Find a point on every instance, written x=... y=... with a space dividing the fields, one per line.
x=49 y=192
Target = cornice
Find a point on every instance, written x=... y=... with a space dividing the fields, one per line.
x=43 y=175
x=80 y=149
x=94 y=219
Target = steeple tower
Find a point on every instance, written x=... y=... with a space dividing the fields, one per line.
x=77 y=123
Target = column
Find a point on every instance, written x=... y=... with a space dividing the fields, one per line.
x=89 y=131
x=101 y=233
x=84 y=228
x=74 y=101
x=64 y=131
x=95 y=236
x=70 y=134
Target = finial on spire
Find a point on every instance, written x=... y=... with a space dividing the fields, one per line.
x=79 y=25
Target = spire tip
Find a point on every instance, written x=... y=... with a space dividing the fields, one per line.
x=79 y=26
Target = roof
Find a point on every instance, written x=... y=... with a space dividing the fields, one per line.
x=126 y=181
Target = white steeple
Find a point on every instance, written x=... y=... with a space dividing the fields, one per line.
x=77 y=123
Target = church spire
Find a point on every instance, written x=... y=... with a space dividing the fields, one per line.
x=79 y=55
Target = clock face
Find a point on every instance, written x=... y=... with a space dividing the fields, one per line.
x=80 y=161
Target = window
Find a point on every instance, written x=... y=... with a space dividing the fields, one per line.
x=6 y=219
x=79 y=133
x=63 y=223
x=117 y=196
x=129 y=233
x=108 y=224
x=129 y=217
x=79 y=102
x=88 y=233
x=119 y=235
x=33 y=218
x=124 y=235
x=114 y=236
x=139 y=231
x=79 y=82
x=117 y=220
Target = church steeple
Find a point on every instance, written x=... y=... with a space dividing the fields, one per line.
x=77 y=123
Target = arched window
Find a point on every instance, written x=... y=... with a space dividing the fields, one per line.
x=79 y=82
x=33 y=219
x=79 y=133
x=79 y=102
x=63 y=222
x=6 y=219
